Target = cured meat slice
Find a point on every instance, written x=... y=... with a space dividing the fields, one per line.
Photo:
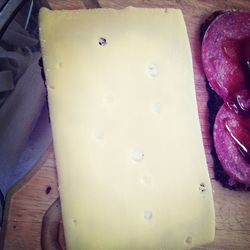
x=232 y=142
x=226 y=52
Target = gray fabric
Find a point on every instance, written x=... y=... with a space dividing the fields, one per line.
x=18 y=117
x=38 y=143
x=24 y=121
x=6 y=80
x=15 y=61
x=18 y=37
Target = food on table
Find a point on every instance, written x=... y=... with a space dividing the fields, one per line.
x=226 y=61
x=130 y=159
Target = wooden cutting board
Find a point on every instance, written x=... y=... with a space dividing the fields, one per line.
x=29 y=201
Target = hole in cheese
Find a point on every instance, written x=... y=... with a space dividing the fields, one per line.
x=148 y=215
x=102 y=41
x=152 y=70
x=137 y=154
x=188 y=240
x=202 y=187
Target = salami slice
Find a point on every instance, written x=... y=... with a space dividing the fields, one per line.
x=225 y=48
x=232 y=142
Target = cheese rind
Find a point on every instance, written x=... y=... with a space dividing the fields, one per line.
x=128 y=146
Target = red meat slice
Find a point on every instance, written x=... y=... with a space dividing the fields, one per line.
x=226 y=53
x=232 y=143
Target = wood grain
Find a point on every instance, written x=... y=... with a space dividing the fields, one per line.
x=28 y=202
x=26 y=205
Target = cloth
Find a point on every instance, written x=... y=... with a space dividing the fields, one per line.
x=18 y=116
x=24 y=121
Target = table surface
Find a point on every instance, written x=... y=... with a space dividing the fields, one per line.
x=28 y=202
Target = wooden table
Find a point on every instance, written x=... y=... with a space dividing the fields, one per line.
x=30 y=199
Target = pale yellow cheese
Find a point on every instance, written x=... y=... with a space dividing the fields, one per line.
x=129 y=153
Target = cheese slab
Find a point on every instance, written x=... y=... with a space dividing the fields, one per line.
x=130 y=160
